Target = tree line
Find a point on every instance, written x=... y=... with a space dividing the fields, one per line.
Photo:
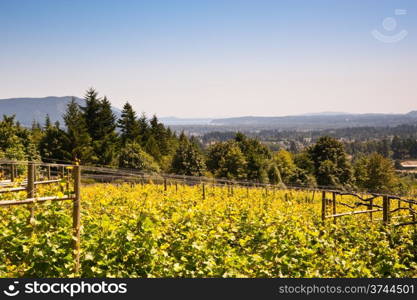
x=398 y=143
x=94 y=135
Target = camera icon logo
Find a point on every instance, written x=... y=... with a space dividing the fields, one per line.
x=390 y=24
x=11 y=290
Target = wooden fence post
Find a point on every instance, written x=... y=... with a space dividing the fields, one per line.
x=12 y=172
x=413 y=215
x=76 y=217
x=385 y=209
x=312 y=197
x=334 y=207
x=30 y=188
x=371 y=207
x=165 y=185
x=49 y=172
x=204 y=191
x=68 y=179
x=323 y=206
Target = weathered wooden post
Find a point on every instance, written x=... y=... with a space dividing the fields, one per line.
x=49 y=172
x=12 y=172
x=176 y=187
x=413 y=215
x=371 y=207
x=30 y=188
x=204 y=190
x=385 y=209
x=323 y=206
x=165 y=184
x=312 y=197
x=68 y=179
x=76 y=217
x=62 y=172
x=334 y=207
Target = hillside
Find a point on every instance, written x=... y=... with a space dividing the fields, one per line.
x=320 y=121
x=29 y=109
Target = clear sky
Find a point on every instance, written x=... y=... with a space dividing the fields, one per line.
x=214 y=58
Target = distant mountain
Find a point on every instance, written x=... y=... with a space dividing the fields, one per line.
x=319 y=121
x=412 y=114
x=185 y=121
x=326 y=113
x=29 y=109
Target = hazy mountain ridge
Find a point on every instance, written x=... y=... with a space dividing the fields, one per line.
x=320 y=121
x=29 y=109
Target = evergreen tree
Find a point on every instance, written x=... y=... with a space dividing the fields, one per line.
x=54 y=144
x=101 y=124
x=47 y=122
x=8 y=133
x=128 y=124
x=187 y=159
x=91 y=112
x=105 y=146
x=331 y=167
x=159 y=133
x=36 y=133
x=78 y=138
x=144 y=130
x=151 y=147
x=16 y=142
x=106 y=119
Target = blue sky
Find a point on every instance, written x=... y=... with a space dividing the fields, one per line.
x=213 y=58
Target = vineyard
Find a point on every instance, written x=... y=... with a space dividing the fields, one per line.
x=162 y=227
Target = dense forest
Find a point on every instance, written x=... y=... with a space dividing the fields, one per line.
x=399 y=142
x=93 y=135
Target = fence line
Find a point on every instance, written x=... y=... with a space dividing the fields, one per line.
x=372 y=207
x=29 y=185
